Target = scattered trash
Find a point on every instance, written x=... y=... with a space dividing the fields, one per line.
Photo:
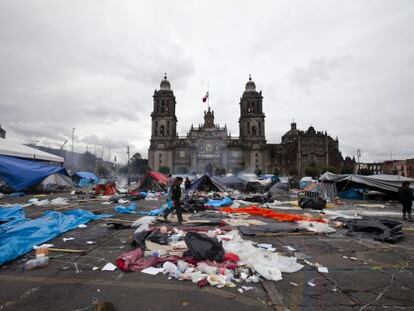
x=152 y=270
x=109 y=267
x=68 y=239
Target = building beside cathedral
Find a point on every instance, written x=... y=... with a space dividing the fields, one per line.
x=210 y=148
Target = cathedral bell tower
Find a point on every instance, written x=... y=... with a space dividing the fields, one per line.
x=252 y=127
x=164 y=127
x=251 y=122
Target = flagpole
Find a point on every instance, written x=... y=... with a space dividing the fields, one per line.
x=208 y=93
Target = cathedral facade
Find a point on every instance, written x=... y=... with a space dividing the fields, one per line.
x=209 y=148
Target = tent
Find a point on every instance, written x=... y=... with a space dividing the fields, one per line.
x=382 y=182
x=153 y=181
x=233 y=181
x=83 y=179
x=56 y=182
x=20 y=174
x=305 y=182
x=11 y=149
x=207 y=183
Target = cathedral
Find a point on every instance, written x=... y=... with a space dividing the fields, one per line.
x=209 y=148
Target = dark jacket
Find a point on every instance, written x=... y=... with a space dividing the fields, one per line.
x=187 y=184
x=405 y=196
x=176 y=192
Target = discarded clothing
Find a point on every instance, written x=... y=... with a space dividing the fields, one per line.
x=258 y=211
x=134 y=260
x=383 y=230
x=20 y=239
x=131 y=209
x=312 y=203
x=202 y=247
x=243 y=222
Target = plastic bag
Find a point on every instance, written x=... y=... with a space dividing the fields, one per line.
x=203 y=247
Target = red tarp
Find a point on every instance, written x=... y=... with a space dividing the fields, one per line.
x=159 y=177
x=259 y=211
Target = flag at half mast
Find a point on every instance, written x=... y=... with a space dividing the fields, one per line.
x=205 y=97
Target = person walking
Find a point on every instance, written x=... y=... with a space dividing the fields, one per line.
x=405 y=196
x=187 y=184
x=176 y=197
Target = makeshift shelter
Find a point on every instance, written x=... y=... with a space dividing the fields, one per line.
x=346 y=182
x=233 y=181
x=383 y=182
x=20 y=174
x=305 y=182
x=56 y=182
x=207 y=183
x=83 y=179
x=11 y=149
x=154 y=181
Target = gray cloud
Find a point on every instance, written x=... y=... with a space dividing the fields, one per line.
x=317 y=71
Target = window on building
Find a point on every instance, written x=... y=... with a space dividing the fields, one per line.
x=168 y=127
x=254 y=130
x=162 y=130
x=156 y=128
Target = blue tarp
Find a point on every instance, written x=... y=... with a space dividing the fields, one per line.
x=21 y=174
x=356 y=194
x=219 y=203
x=158 y=211
x=11 y=213
x=19 y=239
x=131 y=209
x=88 y=175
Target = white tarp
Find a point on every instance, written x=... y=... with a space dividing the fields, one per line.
x=9 y=148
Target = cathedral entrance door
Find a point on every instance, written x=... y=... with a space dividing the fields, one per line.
x=209 y=169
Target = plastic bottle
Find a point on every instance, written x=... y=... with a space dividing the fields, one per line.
x=39 y=262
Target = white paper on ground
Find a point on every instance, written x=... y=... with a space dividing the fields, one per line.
x=152 y=270
x=323 y=269
x=311 y=284
x=90 y=242
x=264 y=245
x=82 y=226
x=271 y=249
x=294 y=284
x=68 y=239
x=247 y=287
x=109 y=267
x=290 y=248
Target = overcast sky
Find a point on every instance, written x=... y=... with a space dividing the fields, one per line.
x=342 y=66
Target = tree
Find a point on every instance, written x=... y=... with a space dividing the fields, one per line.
x=164 y=169
x=347 y=170
x=312 y=171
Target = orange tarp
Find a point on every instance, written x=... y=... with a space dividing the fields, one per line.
x=268 y=213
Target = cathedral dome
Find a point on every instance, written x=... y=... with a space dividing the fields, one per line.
x=165 y=84
x=250 y=85
x=311 y=130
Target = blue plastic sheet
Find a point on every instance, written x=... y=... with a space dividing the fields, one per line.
x=219 y=203
x=11 y=213
x=21 y=174
x=16 y=195
x=19 y=239
x=159 y=211
x=88 y=175
x=131 y=209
